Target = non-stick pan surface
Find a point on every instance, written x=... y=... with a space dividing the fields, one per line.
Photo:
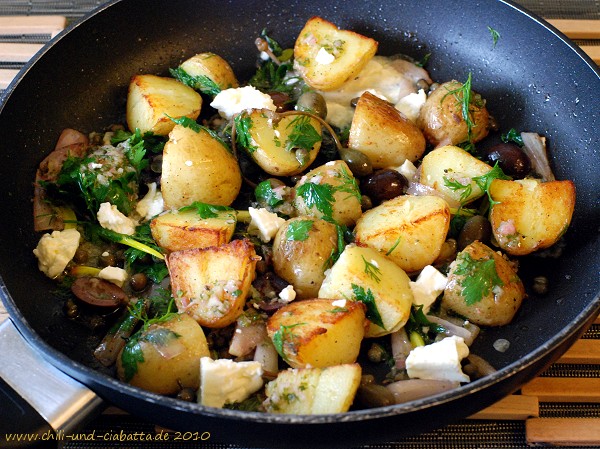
x=533 y=79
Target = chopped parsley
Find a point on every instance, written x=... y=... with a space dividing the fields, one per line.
x=495 y=35
x=367 y=298
x=319 y=196
x=298 y=230
x=485 y=181
x=206 y=211
x=479 y=277
x=302 y=135
x=512 y=135
x=201 y=83
x=243 y=124
x=265 y=194
x=284 y=337
x=186 y=122
x=349 y=184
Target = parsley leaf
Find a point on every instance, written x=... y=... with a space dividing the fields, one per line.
x=367 y=298
x=271 y=77
x=479 y=277
x=284 y=337
x=456 y=186
x=495 y=35
x=265 y=194
x=512 y=135
x=243 y=124
x=298 y=230
x=303 y=134
x=205 y=210
x=186 y=122
x=485 y=181
x=201 y=83
x=319 y=196
x=130 y=357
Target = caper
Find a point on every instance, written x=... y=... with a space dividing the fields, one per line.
x=156 y=164
x=423 y=84
x=376 y=353
x=475 y=228
x=138 y=282
x=107 y=259
x=81 y=256
x=365 y=203
x=359 y=163
x=312 y=102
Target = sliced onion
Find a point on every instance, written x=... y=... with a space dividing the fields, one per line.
x=401 y=347
x=477 y=367
x=409 y=390
x=267 y=355
x=534 y=147
x=245 y=339
x=418 y=189
x=454 y=329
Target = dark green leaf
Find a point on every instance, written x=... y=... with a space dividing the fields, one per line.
x=243 y=125
x=512 y=136
x=201 y=83
x=303 y=134
x=298 y=230
x=205 y=210
x=478 y=277
x=485 y=181
x=265 y=194
x=319 y=196
x=367 y=298
x=130 y=357
x=495 y=35
x=284 y=337
x=186 y=122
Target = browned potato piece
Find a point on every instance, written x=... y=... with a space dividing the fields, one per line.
x=198 y=167
x=383 y=134
x=329 y=191
x=483 y=287
x=301 y=252
x=318 y=332
x=211 y=284
x=151 y=98
x=409 y=229
x=213 y=67
x=453 y=165
x=309 y=391
x=441 y=117
x=177 y=230
x=326 y=57
x=271 y=137
x=143 y=362
x=530 y=214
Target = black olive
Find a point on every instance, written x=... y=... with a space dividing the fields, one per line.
x=384 y=185
x=98 y=292
x=281 y=100
x=475 y=228
x=511 y=159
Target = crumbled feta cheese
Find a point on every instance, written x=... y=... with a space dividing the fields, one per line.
x=428 y=286
x=408 y=170
x=152 y=204
x=288 y=294
x=438 y=361
x=230 y=102
x=267 y=223
x=339 y=303
x=54 y=251
x=324 y=57
x=410 y=105
x=116 y=275
x=111 y=218
x=224 y=381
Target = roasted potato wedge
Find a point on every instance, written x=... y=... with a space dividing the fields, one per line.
x=274 y=142
x=483 y=286
x=198 y=167
x=326 y=57
x=208 y=72
x=441 y=117
x=172 y=348
x=364 y=274
x=211 y=284
x=301 y=253
x=450 y=171
x=529 y=214
x=383 y=134
x=318 y=332
x=410 y=230
x=307 y=391
x=329 y=191
x=151 y=99
x=198 y=226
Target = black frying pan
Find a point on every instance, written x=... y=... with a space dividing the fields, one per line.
x=533 y=79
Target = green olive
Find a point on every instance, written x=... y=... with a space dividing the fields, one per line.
x=312 y=102
x=359 y=163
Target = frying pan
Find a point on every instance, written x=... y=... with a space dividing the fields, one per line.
x=534 y=79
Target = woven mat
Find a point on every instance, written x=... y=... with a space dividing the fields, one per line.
x=467 y=434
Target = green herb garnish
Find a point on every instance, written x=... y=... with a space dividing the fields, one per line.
x=485 y=181
x=298 y=230
x=284 y=337
x=372 y=270
x=479 y=277
x=319 y=196
x=367 y=298
x=512 y=136
x=265 y=194
x=243 y=124
x=303 y=134
x=495 y=35
x=201 y=83
x=206 y=211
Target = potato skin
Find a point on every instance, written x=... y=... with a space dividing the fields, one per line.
x=383 y=134
x=303 y=262
x=530 y=215
x=151 y=98
x=409 y=229
x=212 y=66
x=317 y=333
x=197 y=167
x=351 y=52
x=499 y=305
x=346 y=203
x=164 y=375
x=211 y=284
x=442 y=121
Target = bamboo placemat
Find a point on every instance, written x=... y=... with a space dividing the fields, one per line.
x=561 y=407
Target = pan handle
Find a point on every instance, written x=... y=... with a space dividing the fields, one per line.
x=39 y=404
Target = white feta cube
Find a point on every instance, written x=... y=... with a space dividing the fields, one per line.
x=324 y=57
x=288 y=294
x=152 y=204
x=113 y=219
x=429 y=285
x=224 y=381
x=411 y=104
x=54 y=251
x=116 y=275
x=438 y=361
x=230 y=102
x=266 y=223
